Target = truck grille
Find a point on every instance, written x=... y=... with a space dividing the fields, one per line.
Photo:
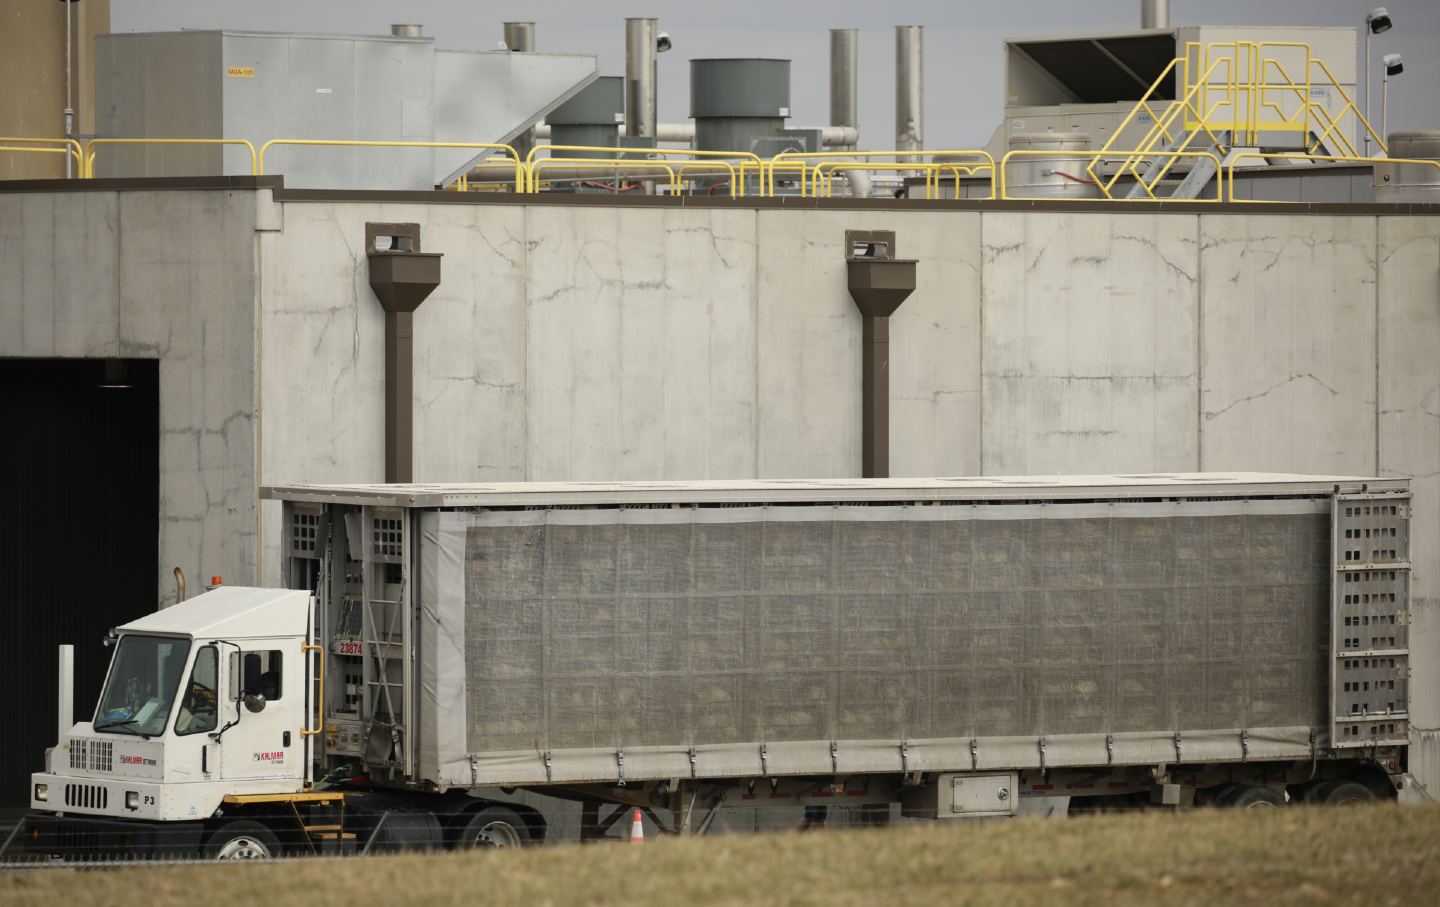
x=87 y=796
x=92 y=755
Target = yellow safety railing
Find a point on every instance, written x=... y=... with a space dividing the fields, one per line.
x=581 y=163
x=823 y=174
x=41 y=146
x=1313 y=158
x=858 y=161
x=91 y=146
x=516 y=164
x=652 y=155
x=1105 y=189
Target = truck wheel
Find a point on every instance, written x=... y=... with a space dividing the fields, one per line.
x=1348 y=793
x=242 y=840
x=494 y=826
x=1317 y=794
x=1221 y=796
x=1255 y=796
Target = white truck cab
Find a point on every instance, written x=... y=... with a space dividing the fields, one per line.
x=204 y=701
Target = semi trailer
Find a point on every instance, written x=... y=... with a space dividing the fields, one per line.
x=446 y=657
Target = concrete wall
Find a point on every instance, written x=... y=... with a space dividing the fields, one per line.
x=569 y=342
x=167 y=275
x=625 y=342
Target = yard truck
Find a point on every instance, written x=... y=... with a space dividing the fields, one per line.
x=449 y=659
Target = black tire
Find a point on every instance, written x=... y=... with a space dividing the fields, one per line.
x=1221 y=796
x=1348 y=793
x=242 y=839
x=1317 y=793
x=1255 y=796
x=493 y=826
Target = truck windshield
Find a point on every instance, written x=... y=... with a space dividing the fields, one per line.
x=141 y=687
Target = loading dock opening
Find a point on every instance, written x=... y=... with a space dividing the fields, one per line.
x=79 y=532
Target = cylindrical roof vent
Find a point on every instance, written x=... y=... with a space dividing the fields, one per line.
x=590 y=118
x=736 y=100
x=407 y=31
x=520 y=36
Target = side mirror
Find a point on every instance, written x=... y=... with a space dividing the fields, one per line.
x=254 y=702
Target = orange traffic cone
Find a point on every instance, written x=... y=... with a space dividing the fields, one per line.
x=637 y=828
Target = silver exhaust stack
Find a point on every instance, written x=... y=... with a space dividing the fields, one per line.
x=640 y=51
x=909 y=88
x=1154 y=13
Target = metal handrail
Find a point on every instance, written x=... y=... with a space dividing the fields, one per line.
x=785 y=158
x=634 y=154
x=823 y=173
x=1150 y=195
x=90 y=151
x=319 y=695
x=518 y=166
x=536 y=167
x=1322 y=158
x=701 y=165
x=69 y=146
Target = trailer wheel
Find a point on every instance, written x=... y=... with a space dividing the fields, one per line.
x=1255 y=796
x=242 y=840
x=1348 y=793
x=494 y=826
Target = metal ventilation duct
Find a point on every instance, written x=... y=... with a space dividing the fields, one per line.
x=735 y=101
x=590 y=118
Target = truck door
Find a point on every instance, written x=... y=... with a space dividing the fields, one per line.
x=193 y=754
x=266 y=743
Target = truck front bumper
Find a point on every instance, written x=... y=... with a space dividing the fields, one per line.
x=91 y=837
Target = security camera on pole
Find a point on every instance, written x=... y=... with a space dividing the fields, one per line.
x=1377 y=21
x=1393 y=67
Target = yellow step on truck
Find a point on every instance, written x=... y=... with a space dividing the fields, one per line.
x=449 y=659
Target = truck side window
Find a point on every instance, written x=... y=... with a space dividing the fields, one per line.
x=198 y=702
x=263 y=673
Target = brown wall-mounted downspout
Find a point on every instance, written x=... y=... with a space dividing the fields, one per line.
x=878 y=283
x=402 y=277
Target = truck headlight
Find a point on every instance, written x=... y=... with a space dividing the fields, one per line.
x=132 y=799
x=42 y=792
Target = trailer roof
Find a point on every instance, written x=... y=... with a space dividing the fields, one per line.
x=756 y=491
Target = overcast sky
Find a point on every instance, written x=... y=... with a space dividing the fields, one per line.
x=963 y=78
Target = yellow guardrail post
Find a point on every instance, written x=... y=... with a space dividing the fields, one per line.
x=91 y=148
x=518 y=166
x=66 y=146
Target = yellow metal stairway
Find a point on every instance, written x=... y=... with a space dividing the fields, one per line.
x=1231 y=98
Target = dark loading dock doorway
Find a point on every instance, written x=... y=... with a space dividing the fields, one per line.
x=79 y=535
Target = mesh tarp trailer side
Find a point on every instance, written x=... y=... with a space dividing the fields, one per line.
x=571 y=645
